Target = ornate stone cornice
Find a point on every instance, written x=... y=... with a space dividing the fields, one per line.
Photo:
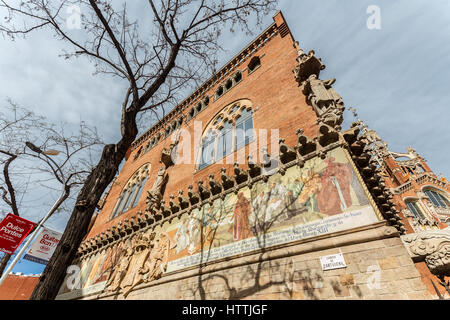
x=433 y=247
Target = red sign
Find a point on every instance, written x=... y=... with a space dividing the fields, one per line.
x=13 y=229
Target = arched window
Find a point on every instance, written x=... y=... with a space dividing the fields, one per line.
x=415 y=209
x=254 y=63
x=138 y=153
x=206 y=102
x=229 y=131
x=132 y=192
x=219 y=92
x=199 y=107
x=148 y=146
x=438 y=199
x=229 y=84
x=238 y=77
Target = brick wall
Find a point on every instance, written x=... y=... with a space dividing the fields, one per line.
x=17 y=287
x=278 y=103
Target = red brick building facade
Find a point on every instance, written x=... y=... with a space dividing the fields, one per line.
x=18 y=287
x=245 y=190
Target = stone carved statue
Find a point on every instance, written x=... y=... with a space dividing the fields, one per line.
x=120 y=272
x=135 y=276
x=146 y=260
x=155 y=195
x=326 y=102
x=156 y=265
x=307 y=65
x=411 y=155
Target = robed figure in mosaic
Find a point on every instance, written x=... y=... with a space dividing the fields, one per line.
x=240 y=218
x=334 y=196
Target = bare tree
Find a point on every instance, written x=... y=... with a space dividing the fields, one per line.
x=174 y=45
x=23 y=162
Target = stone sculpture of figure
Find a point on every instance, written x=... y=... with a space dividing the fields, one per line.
x=120 y=271
x=322 y=95
x=325 y=101
x=135 y=276
x=155 y=195
x=156 y=265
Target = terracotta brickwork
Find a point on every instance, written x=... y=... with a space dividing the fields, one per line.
x=409 y=179
x=277 y=103
x=18 y=287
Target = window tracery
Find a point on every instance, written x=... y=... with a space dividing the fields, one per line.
x=437 y=198
x=129 y=197
x=228 y=131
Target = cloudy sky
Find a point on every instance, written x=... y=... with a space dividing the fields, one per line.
x=397 y=77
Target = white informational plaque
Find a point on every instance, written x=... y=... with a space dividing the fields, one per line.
x=334 y=261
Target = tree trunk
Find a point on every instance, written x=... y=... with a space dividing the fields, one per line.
x=101 y=176
x=4 y=262
x=12 y=203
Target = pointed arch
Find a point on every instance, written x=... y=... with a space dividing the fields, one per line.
x=132 y=191
x=229 y=130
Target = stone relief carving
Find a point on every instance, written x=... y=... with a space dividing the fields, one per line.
x=144 y=261
x=156 y=265
x=439 y=262
x=134 y=275
x=431 y=246
x=155 y=195
x=119 y=273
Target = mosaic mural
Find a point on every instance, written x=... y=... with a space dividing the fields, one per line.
x=325 y=196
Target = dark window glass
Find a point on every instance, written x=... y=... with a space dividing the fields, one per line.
x=207 y=151
x=414 y=208
x=130 y=197
x=139 y=192
x=436 y=198
x=254 y=63
x=244 y=129
x=219 y=91
x=229 y=84
x=238 y=77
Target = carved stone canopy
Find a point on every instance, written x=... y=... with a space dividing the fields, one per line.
x=167 y=156
x=308 y=64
